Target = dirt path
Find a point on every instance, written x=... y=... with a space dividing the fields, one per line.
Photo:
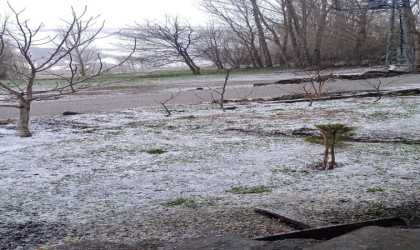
x=240 y=87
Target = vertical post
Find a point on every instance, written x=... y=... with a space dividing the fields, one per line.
x=408 y=43
x=390 y=50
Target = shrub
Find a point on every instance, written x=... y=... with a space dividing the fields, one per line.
x=331 y=136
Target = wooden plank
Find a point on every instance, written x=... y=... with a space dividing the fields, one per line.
x=329 y=232
x=286 y=219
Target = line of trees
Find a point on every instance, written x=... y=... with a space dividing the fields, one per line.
x=275 y=33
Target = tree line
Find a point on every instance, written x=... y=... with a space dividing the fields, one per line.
x=277 y=33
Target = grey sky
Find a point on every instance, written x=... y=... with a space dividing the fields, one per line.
x=116 y=13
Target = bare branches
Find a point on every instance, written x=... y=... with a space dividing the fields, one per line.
x=223 y=91
x=163 y=103
x=377 y=87
x=71 y=43
x=166 y=42
x=315 y=87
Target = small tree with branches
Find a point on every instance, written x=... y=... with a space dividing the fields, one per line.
x=24 y=39
x=377 y=86
x=317 y=86
x=331 y=136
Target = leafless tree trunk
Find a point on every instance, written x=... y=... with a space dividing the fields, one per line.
x=221 y=99
x=294 y=30
x=360 y=37
x=414 y=33
x=321 y=26
x=274 y=29
x=261 y=34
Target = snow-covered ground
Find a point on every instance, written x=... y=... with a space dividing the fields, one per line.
x=78 y=168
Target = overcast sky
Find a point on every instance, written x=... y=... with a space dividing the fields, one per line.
x=116 y=13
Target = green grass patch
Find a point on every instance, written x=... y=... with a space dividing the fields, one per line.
x=283 y=170
x=189 y=117
x=156 y=151
x=375 y=210
x=190 y=202
x=251 y=190
x=381 y=115
x=374 y=189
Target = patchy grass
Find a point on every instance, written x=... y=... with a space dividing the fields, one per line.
x=190 y=202
x=251 y=190
x=374 y=210
x=374 y=189
x=156 y=151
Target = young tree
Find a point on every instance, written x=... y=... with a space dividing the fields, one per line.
x=222 y=92
x=332 y=135
x=165 y=43
x=24 y=39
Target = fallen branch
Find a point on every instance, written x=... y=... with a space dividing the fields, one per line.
x=363 y=76
x=295 y=98
x=328 y=232
x=286 y=219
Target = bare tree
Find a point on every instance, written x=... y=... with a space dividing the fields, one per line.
x=8 y=56
x=165 y=43
x=321 y=16
x=261 y=33
x=223 y=48
x=269 y=15
x=163 y=103
x=222 y=92
x=377 y=85
x=414 y=33
x=213 y=41
x=24 y=39
x=237 y=16
x=85 y=55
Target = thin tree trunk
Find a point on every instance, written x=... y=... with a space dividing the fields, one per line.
x=302 y=33
x=326 y=150
x=332 y=163
x=276 y=39
x=222 y=94
x=415 y=35
x=320 y=32
x=23 y=122
x=291 y=20
x=261 y=35
x=188 y=60
x=361 y=38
